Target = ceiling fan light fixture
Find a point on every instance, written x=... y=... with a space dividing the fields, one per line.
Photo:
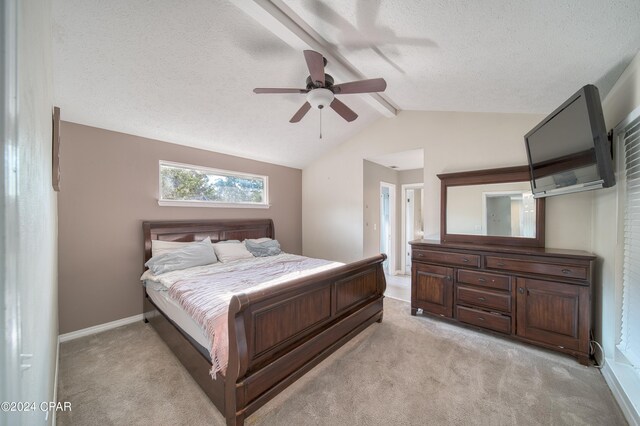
x=320 y=98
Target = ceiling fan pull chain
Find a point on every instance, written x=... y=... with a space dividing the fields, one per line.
x=320 y=124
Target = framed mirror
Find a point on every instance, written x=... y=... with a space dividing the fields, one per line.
x=493 y=206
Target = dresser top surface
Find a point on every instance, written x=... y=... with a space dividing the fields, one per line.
x=532 y=251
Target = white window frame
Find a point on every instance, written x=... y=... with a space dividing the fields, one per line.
x=621 y=330
x=199 y=203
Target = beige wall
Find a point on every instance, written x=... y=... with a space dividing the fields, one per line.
x=410 y=176
x=29 y=204
x=109 y=186
x=452 y=141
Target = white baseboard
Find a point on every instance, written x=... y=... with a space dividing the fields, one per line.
x=99 y=328
x=620 y=395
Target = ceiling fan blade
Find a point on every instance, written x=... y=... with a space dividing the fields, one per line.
x=276 y=90
x=361 y=86
x=315 y=63
x=301 y=113
x=343 y=110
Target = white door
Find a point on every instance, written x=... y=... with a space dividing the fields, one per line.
x=409 y=225
x=412 y=225
x=388 y=225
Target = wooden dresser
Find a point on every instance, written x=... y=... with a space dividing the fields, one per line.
x=536 y=295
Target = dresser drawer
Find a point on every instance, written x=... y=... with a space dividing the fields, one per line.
x=537 y=267
x=483 y=298
x=459 y=259
x=496 y=322
x=499 y=282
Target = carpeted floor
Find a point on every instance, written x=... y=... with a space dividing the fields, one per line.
x=405 y=371
x=398 y=287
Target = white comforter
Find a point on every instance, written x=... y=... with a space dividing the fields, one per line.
x=205 y=291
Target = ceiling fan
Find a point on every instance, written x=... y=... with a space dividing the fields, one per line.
x=321 y=91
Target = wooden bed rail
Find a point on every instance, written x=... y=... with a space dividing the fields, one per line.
x=277 y=335
x=259 y=295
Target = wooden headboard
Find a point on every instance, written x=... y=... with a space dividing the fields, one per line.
x=217 y=230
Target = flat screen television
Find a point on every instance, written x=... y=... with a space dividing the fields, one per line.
x=569 y=150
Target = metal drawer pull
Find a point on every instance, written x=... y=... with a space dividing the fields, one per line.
x=419 y=254
x=464 y=259
x=482 y=299
x=500 y=264
x=482 y=280
x=566 y=271
x=480 y=319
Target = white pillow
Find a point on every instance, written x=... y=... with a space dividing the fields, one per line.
x=161 y=247
x=226 y=252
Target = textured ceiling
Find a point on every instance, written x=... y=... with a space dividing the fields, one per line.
x=185 y=75
x=159 y=69
x=492 y=55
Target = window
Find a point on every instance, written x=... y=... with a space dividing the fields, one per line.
x=629 y=187
x=186 y=185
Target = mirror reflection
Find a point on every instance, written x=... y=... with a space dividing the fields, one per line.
x=499 y=209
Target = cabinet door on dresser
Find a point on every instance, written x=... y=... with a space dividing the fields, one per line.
x=432 y=289
x=553 y=313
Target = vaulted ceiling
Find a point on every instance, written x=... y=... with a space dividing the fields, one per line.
x=183 y=72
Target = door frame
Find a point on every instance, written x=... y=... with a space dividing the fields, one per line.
x=403 y=268
x=392 y=224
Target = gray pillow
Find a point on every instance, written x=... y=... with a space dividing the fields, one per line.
x=194 y=254
x=264 y=248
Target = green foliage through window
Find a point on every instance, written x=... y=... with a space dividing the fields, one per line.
x=180 y=183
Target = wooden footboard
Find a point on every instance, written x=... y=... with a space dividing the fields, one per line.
x=275 y=336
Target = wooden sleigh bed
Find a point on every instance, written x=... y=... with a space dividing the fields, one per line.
x=275 y=336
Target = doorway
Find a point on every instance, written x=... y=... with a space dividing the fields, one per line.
x=388 y=225
x=412 y=221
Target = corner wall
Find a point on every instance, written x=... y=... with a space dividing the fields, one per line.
x=332 y=186
x=109 y=186
x=623 y=98
x=29 y=194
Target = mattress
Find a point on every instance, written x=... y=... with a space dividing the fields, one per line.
x=203 y=293
x=179 y=316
